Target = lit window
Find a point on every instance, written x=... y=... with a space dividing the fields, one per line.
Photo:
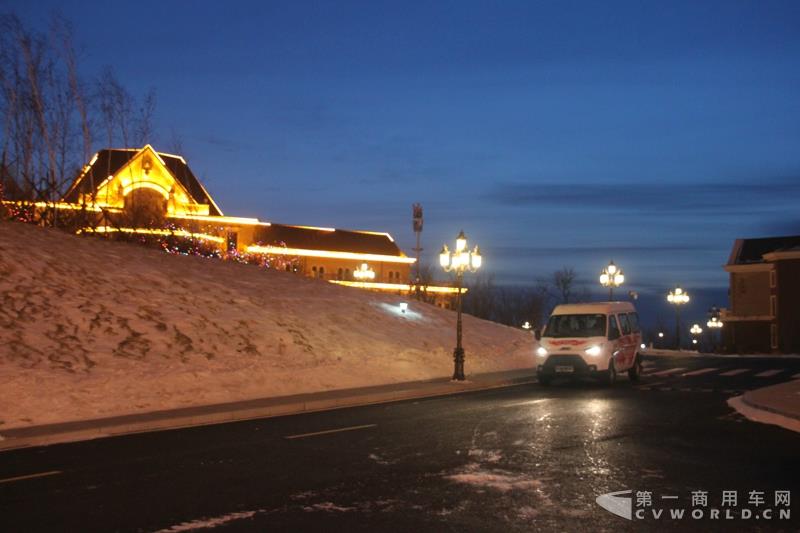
x=773 y=282
x=773 y=305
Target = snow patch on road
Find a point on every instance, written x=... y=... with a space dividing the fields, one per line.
x=378 y=459
x=209 y=523
x=328 y=507
x=497 y=479
x=489 y=456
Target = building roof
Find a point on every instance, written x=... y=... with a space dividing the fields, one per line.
x=329 y=239
x=594 y=308
x=749 y=251
x=108 y=162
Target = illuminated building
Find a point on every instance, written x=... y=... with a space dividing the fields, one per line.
x=764 y=293
x=141 y=191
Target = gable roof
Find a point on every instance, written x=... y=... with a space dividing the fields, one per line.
x=749 y=251
x=108 y=162
x=324 y=239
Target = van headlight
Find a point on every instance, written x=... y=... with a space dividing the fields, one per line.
x=594 y=351
x=541 y=352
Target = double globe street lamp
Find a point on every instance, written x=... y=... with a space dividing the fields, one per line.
x=611 y=276
x=695 y=330
x=714 y=324
x=678 y=297
x=459 y=262
x=364 y=273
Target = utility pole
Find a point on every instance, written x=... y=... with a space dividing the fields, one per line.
x=418 y=220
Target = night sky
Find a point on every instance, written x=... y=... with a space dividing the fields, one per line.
x=554 y=133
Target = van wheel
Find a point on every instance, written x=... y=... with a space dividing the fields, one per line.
x=611 y=374
x=636 y=370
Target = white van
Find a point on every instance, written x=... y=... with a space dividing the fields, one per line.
x=590 y=339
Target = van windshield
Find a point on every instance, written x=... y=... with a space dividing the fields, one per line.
x=576 y=326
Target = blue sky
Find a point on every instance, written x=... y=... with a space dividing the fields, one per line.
x=554 y=133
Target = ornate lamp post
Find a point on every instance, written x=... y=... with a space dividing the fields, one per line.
x=714 y=324
x=695 y=330
x=611 y=276
x=678 y=297
x=364 y=273
x=459 y=261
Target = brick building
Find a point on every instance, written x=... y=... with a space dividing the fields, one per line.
x=764 y=292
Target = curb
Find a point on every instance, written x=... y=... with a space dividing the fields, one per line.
x=26 y=437
x=761 y=407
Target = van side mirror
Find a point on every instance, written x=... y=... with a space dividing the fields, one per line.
x=537 y=334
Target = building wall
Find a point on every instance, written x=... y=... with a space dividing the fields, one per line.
x=787 y=293
x=384 y=272
x=750 y=292
x=747 y=337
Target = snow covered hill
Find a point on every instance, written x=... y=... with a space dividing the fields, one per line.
x=91 y=328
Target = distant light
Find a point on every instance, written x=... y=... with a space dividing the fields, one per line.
x=643 y=346
x=694 y=341
x=403 y=307
x=526 y=325
x=660 y=335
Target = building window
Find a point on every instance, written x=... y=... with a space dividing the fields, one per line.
x=773 y=305
x=314 y=271
x=288 y=267
x=773 y=336
x=321 y=272
x=339 y=274
x=347 y=273
x=773 y=281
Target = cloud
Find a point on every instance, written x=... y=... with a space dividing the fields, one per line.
x=536 y=251
x=720 y=197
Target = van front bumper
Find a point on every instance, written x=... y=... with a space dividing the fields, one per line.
x=566 y=365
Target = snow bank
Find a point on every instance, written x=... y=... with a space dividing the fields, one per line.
x=90 y=328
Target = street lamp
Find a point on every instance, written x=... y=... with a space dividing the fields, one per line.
x=714 y=324
x=678 y=297
x=364 y=273
x=459 y=261
x=695 y=330
x=611 y=276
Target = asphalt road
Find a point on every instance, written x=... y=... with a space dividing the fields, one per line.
x=525 y=458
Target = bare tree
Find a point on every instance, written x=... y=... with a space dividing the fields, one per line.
x=175 y=144
x=480 y=298
x=62 y=30
x=38 y=114
x=144 y=121
x=564 y=283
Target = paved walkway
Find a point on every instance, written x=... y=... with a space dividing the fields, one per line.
x=249 y=409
